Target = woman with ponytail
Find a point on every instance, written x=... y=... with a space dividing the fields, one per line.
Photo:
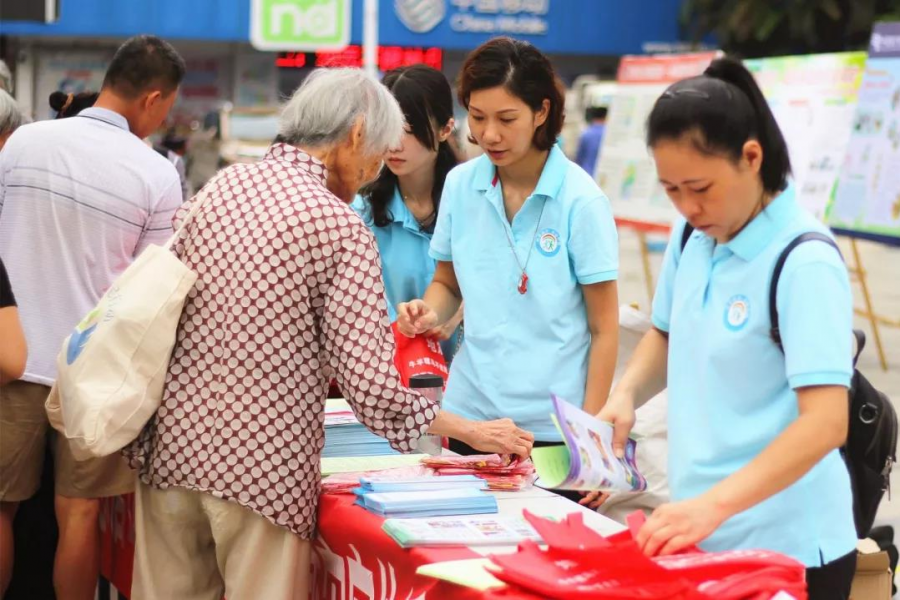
x=401 y=206
x=754 y=426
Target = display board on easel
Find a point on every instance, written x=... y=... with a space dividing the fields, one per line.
x=866 y=200
x=813 y=98
x=625 y=169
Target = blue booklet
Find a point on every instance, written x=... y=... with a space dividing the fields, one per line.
x=439 y=502
x=421 y=484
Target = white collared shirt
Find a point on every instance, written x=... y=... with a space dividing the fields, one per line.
x=80 y=198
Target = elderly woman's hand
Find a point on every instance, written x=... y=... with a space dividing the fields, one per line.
x=500 y=436
x=415 y=317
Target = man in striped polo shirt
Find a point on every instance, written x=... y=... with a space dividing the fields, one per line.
x=80 y=198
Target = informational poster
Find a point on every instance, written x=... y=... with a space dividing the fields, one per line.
x=813 y=99
x=866 y=199
x=625 y=170
x=69 y=72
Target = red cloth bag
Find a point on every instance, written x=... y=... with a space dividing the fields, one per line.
x=418 y=356
x=580 y=563
x=413 y=356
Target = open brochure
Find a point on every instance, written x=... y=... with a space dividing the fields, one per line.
x=587 y=460
x=493 y=530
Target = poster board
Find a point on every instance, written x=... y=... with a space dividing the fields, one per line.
x=866 y=199
x=625 y=169
x=813 y=98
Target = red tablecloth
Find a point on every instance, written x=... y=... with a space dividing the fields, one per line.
x=353 y=559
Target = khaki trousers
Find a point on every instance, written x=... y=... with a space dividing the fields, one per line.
x=192 y=546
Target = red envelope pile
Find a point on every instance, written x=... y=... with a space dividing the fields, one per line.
x=580 y=563
x=502 y=473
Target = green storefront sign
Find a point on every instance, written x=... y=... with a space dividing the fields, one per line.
x=300 y=25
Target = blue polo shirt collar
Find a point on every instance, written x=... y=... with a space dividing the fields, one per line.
x=401 y=213
x=765 y=226
x=548 y=185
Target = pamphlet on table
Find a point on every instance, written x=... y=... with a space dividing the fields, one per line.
x=479 y=530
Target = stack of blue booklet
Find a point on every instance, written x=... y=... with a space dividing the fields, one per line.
x=346 y=436
x=426 y=496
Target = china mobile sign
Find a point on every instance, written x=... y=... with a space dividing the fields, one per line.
x=522 y=17
x=300 y=25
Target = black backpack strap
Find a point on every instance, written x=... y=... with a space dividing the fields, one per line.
x=686 y=235
x=860 y=337
x=809 y=236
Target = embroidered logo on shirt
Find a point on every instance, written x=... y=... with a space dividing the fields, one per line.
x=737 y=312
x=548 y=242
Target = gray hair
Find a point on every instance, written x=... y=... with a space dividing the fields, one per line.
x=5 y=77
x=325 y=107
x=10 y=115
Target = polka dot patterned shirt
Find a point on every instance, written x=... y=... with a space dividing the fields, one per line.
x=289 y=294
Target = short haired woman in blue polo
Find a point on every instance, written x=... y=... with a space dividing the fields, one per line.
x=754 y=431
x=527 y=238
x=402 y=205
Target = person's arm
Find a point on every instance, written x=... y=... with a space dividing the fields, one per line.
x=158 y=227
x=446 y=331
x=13 y=349
x=369 y=380
x=593 y=250
x=646 y=373
x=602 y=304
x=441 y=302
x=820 y=428
x=581 y=152
x=442 y=298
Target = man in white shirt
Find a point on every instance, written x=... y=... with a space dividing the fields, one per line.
x=80 y=198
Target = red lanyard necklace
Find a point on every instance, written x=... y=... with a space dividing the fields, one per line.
x=523 y=280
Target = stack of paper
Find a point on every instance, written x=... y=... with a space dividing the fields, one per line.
x=423 y=483
x=492 y=530
x=346 y=436
x=430 y=503
x=502 y=473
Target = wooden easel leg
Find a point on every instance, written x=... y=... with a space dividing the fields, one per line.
x=645 y=260
x=869 y=311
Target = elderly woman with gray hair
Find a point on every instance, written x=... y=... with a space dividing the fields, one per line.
x=10 y=116
x=289 y=294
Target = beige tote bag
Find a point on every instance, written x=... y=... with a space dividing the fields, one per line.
x=113 y=365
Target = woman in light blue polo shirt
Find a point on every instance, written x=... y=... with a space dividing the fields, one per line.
x=402 y=205
x=754 y=431
x=527 y=238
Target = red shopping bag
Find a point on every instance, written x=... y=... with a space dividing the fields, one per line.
x=418 y=356
x=579 y=563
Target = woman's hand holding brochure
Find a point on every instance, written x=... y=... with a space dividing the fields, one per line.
x=587 y=461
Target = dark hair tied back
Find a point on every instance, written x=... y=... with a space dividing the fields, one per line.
x=69 y=105
x=721 y=111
